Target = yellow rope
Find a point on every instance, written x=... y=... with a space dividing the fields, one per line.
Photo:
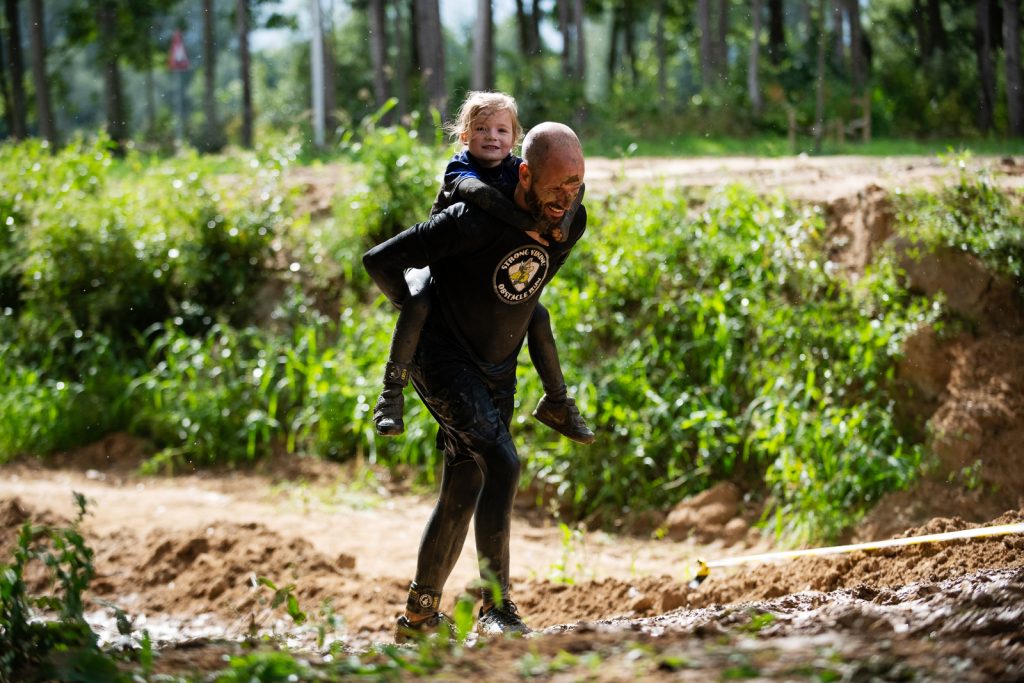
x=704 y=568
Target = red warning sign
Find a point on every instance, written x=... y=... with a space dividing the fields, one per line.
x=177 y=60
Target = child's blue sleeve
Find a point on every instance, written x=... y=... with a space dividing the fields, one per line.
x=457 y=169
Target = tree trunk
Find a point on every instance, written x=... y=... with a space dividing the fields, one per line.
x=858 y=68
x=986 y=70
x=379 y=50
x=564 y=11
x=924 y=41
x=535 y=12
x=245 y=70
x=431 y=53
x=839 y=42
x=936 y=31
x=581 y=53
x=524 y=28
x=38 y=45
x=1011 y=45
x=776 y=31
x=613 y=42
x=629 y=36
x=722 y=39
x=402 y=59
x=708 y=68
x=16 y=65
x=483 y=47
x=753 y=75
x=316 y=72
x=5 y=91
x=212 y=138
x=661 y=50
x=819 y=98
x=117 y=125
x=330 y=72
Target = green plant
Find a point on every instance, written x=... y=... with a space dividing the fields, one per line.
x=971 y=215
x=568 y=567
x=724 y=348
x=45 y=636
x=400 y=179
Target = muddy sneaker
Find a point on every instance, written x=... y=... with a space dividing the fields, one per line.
x=564 y=417
x=504 y=620
x=437 y=626
x=387 y=414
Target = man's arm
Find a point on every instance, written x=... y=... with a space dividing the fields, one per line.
x=469 y=188
x=417 y=247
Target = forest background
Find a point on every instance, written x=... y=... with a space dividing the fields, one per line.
x=665 y=75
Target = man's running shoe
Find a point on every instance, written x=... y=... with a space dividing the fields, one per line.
x=504 y=620
x=437 y=626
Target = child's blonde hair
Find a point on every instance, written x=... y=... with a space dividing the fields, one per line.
x=481 y=103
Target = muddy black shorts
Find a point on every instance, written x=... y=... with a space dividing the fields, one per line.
x=472 y=404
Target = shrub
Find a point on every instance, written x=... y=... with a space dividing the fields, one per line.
x=401 y=177
x=32 y=646
x=712 y=345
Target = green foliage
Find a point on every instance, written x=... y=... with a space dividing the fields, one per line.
x=722 y=349
x=45 y=636
x=92 y=252
x=971 y=215
x=101 y=254
x=400 y=179
x=60 y=394
x=706 y=342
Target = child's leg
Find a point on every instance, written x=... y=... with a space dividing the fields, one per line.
x=387 y=414
x=556 y=409
x=544 y=354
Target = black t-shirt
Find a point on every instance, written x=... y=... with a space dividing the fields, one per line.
x=488 y=276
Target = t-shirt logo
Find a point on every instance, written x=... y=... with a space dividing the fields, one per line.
x=520 y=274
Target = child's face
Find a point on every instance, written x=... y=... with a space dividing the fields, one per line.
x=490 y=138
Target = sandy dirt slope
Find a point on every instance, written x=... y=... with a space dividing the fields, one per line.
x=179 y=553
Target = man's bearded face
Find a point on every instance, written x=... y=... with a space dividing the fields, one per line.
x=545 y=222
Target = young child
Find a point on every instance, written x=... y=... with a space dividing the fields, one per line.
x=485 y=174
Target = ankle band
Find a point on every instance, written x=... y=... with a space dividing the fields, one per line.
x=423 y=599
x=396 y=373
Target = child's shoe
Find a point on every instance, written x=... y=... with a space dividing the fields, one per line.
x=564 y=417
x=387 y=413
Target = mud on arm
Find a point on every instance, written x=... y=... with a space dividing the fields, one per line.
x=491 y=200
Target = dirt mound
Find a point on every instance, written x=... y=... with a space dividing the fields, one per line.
x=963 y=394
x=980 y=426
x=927 y=499
x=712 y=515
x=858 y=226
x=887 y=569
x=216 y=569
x=115 y=453
x=14 y=513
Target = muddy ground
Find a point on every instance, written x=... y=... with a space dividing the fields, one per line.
x=180 y=554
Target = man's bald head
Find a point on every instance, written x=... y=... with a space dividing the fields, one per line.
x=550 y=139
x=551 y=174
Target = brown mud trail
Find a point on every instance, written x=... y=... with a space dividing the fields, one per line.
x=180 y=554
